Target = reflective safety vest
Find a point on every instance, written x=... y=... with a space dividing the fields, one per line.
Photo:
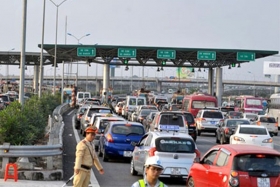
x=142 y=183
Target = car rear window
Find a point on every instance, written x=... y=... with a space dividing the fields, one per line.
x=189 y=118
x=103 y=123
x=227 y=109
x=257 y=131
x=170 y=119
x=267 y=120
x=258 y=163
x=212 y=114
x=174 y=144
x=4 y=97
x=234 y=123
x=124 y=129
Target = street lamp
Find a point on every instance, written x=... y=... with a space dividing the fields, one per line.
x=254 y=82
x=78 y=40
x=55 y=47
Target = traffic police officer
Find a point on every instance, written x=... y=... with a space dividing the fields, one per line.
x=85 y=158
x=153 y=169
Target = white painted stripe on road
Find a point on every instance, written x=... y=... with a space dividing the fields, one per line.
x=70 y=112
x=93 y=179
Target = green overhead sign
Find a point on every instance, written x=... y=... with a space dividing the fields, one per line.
x=86 y=51
x=127 y=52
x=206 y=55
x=166 y=54
x=245 y=56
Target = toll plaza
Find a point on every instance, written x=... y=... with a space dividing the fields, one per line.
x=208 y=58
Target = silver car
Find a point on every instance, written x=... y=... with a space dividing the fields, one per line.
x=177 y=151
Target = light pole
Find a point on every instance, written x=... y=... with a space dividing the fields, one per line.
x=78 y=40
x=254 y=82
x=7 y=67
x=55 y=47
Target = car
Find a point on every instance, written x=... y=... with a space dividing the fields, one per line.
x=148 y=120
x=118 y=108
x=131 y=103
x=169 y=118
x=207 y=120
x=236 y=166
x=253 y=135
x=117 y=138
x=101 y=123
x=136 y=111
x=191 y=124
x=2 y=104
x=269 y=122
x=142 y=115
x=227 y=127
x=234 y=115
x=79 y=114
x=5 y=98
x=92 y=109
x=177 y=152
x=175 y=107
x=252 y=117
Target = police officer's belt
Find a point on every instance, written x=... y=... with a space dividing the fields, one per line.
x=85 y=167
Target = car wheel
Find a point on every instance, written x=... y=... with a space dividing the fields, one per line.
x=221 y=139
x=217 y=140
x=194 y=137
x=104 y=156
x=81 y=131
x=198 y=132
x=77 y=126
x=132 y=170
x=190 y=182
x=99 y=152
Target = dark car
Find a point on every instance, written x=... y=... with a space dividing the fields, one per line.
x=143 y=114
x=226 y=128
x=79 y=115
x=191 y=125
x=148 y=120
x=117 y=138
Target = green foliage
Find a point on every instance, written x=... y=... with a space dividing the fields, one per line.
x=24 y=125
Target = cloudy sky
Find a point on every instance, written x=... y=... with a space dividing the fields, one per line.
x=223 y=24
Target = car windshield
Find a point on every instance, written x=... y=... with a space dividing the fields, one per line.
x=257 y=162
x=145 y=112
x=252 y=130
x=97 y=110
x=176 y=107
x=174 y=144
x=267 y=120
x=212 y=114
x=170 y=119
x=124 y=129
x=234 y=123
x=235 y=114
x=4 y=97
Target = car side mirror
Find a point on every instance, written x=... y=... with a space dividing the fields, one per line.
x=196 y=160
x=271 y=134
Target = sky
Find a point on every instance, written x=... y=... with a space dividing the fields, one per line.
x=222 y=24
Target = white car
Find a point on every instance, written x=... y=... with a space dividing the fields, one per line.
x=252 y=134
x=177 y=152
x=118 y=108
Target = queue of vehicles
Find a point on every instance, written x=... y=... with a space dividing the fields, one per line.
x=171 y=134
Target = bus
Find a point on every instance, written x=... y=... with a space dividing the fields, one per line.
x=248 y=104
x=274 y=107
x=195 y=102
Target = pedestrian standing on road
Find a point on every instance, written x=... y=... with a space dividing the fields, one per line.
x=153 y=169
x=85 y=158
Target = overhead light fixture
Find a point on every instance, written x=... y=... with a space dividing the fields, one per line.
x=229 y=67
x=158 y=69
x=199 y=69
x=238 y=65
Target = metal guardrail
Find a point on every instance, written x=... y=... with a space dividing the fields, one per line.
x=54 y=147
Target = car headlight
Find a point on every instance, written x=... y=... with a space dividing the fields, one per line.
x=268 y=140
x=236 y=138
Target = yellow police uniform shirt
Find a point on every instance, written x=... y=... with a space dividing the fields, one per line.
x=83 y=156
x=137 y=184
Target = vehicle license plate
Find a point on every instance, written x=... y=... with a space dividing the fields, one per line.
x=127 y=153
x=212 y=122
x=175 y=171
x=263 y=182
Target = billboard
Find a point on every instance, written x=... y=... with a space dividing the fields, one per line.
x=184 y=73
x=271 y=68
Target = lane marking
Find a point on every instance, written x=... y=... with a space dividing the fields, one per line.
x=93 y=180
x=70 y=112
